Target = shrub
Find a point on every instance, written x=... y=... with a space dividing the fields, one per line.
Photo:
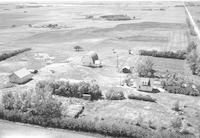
x=176 y=106
x=142 y=97
x=192 y=32
x=115 y=95
x=95 y=92
x=165 y=54
x=176 y=123
x=192 y=59
x=144 y=68
x=192 y=46
x=8 y=101
x=178 y=85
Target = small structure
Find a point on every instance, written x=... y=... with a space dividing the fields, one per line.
x=21 y=76
x=144 y=84
x=90 y=59
x=87 y=97
x=126 y=69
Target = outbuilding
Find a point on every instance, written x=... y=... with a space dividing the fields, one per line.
x=144 y=84
x=126 y=69
x=21 y=76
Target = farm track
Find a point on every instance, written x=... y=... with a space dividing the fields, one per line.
x=193 y=22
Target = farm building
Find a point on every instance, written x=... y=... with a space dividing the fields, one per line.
x=126 y=69
x=21 y=76
x=90 y=58
x=144 y=84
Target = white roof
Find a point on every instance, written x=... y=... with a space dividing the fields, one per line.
x=97 y=62
x=22 y=73
x=127 y=67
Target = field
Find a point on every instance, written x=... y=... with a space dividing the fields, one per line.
x=156 y=26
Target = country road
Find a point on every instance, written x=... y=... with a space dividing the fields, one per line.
x=196 y=29
x=17 y=130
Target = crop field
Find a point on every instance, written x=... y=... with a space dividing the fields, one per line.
x=53 y=30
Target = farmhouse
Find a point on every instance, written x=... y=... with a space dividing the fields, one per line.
x=144 y=84
x=21 y=76
x=90 y=58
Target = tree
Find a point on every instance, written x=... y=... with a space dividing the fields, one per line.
x=78 y=48
x=192 y=46
x=144 y=67
x=193 y=60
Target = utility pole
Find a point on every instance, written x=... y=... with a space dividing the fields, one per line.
x=117 y=64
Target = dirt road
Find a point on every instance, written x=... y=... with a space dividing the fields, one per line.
x=18 y=130
x=196 y=29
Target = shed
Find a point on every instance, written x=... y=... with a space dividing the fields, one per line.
x=126 y=69
x=144 y=84
x=90 y=58
x=21 y=76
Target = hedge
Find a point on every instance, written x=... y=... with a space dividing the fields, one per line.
x=142 y=97
x=9 y=54
x=68 y=89
x=165 y=54
x=115 y=128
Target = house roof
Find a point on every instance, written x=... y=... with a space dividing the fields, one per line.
x=22 y=73
x=144 y=81
x=126 y=67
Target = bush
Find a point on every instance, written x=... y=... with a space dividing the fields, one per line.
x=193 y=60
x=178 y=85
x=115 y=95
x=176 y=123
x=176 y=106
x=17 y=101
x=72 y=90
x=144 y=68
x=164 y=54
x=192 y=32
x=8 y=101
x=142 y=97
x=192 y=46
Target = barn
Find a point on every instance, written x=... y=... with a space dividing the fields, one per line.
x=90 y=58
x=144 y=84
x=21 y=76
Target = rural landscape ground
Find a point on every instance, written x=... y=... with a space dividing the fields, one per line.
x=158 y=26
